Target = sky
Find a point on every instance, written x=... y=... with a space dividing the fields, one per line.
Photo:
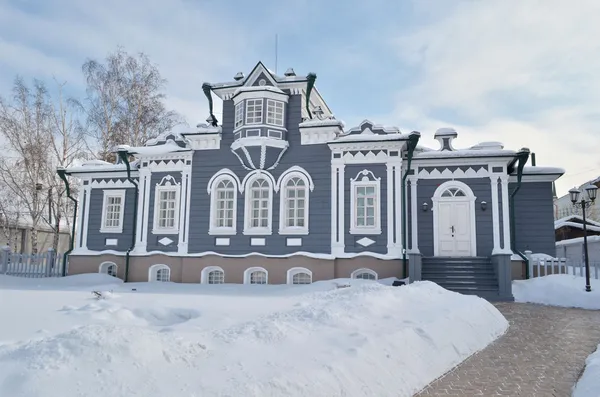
x=521 y=72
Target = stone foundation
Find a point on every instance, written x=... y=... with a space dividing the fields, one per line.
x=188 y=269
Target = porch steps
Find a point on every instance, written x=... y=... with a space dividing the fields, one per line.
x=469 y=276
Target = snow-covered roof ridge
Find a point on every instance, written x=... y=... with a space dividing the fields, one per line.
x=533 y=170
x=368 y=127
x=169 y=147
x=576 y=225
x=204 y=129
x=165 y=137
x=571 y=218
x=464 y=153
x=321 y=122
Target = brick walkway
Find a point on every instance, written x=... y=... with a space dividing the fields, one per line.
x=542 y=354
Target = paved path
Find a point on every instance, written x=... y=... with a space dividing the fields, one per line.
x=542 y=354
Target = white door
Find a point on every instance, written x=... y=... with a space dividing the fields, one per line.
x=454 y=228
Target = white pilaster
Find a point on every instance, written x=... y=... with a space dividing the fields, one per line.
x=184 y=211
x=495 y=214
x=414 y=217
x=398 y=204
x=390 y=208
x=86 y=214
x=334 y=206
x=143 y=183
x=505 y=215
x=80 y=215
x=341 y=200
x=146 y=214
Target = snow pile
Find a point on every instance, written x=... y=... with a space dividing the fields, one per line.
x=589 y=383
x=314 y=340
x=80 y=281
x=558 y=290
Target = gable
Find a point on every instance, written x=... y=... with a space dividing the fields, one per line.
x=260 y=72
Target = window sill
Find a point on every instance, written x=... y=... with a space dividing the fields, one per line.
x=114 y=231
x=258 y=232
x=294 y=232
x=165 y=231
x=365 y=231
x=222 y=232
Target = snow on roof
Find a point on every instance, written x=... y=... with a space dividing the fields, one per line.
x=321 y=122
x=576 y=225
x=488 y=146
x=464 y=153
x=258 y=88
x=169 y=147
x=570 y=221
x=370 y=137
x=533 y=170
x=578 y=240
x=445 y=131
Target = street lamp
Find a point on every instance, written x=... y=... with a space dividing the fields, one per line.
x=579 y=201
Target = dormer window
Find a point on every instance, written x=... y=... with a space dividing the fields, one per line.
x=239 y=114
x=254 y=111
x=275 y=112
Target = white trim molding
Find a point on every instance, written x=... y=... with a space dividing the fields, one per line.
x=113 y=193
x=205 y=274
x=222 y=176
x=247 y=186
x=282 y=188
x=365 y=179
x=167 y=184
x=248 y=274
x=470 y=198
x=505 y=214
x=414 y=216
x=362 y=270
x=105 y=266
x=298 y=270
x=142 y=216
x=495 y=214
x=457 y=173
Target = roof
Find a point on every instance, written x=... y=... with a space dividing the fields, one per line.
x=576 y=221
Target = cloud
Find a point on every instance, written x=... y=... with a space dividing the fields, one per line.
x=523 y=72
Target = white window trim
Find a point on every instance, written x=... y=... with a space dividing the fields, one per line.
x=241 y=114
x=206 y=272
x=213 y=184
x=364 y=270
x=103 y=268
x=153 y=271
x=295 y=270
x=251 y=270
x=113 y=193
x=281 y=186
x=176 y=187
x=365 y=178
x=248 y=229
x=262 y=111
x=278 y=132
x=274 y=102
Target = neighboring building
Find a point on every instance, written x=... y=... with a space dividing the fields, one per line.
x=280 y=193
x=572 y=227
x=18 y=237
x=563 y=207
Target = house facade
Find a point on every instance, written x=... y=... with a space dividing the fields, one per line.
x=280 y=192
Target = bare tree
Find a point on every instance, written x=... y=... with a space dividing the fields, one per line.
x=24 y=125
x=10 y=221
x=125 y=101
x=39 y=136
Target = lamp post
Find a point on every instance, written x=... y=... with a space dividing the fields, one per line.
x=579 y=201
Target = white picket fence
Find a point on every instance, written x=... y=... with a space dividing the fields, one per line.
x=545 y=267
x=47 y=264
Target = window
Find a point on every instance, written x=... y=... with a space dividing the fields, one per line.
x=364 y=274
x=108 y=268
x=251 y=133
x=259 y=208
x=256 y=275
x=454 y=192
x=160 y=273
x=112 y=211
x=166 y=206
x=295 y=203
x=212 y=275
x=275 y=112
x=274 y=134
x=299 y=275
x=254 y=110
x=365 y=204
x=239 y=114
x=224 y=203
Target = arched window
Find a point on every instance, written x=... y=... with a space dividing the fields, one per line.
x=299 y=275
x=108 y=268
x=364 y=274
x=223 y=188
x=295 y=185
x=256 y=275
x=161 y=273
x=258 y=217
x=212 y=275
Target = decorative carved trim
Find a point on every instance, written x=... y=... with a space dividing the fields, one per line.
x=458 y=173
x=110 y=184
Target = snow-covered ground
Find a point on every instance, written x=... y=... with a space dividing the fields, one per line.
x=177 y=340
x=558 y=290
x=589 y=383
